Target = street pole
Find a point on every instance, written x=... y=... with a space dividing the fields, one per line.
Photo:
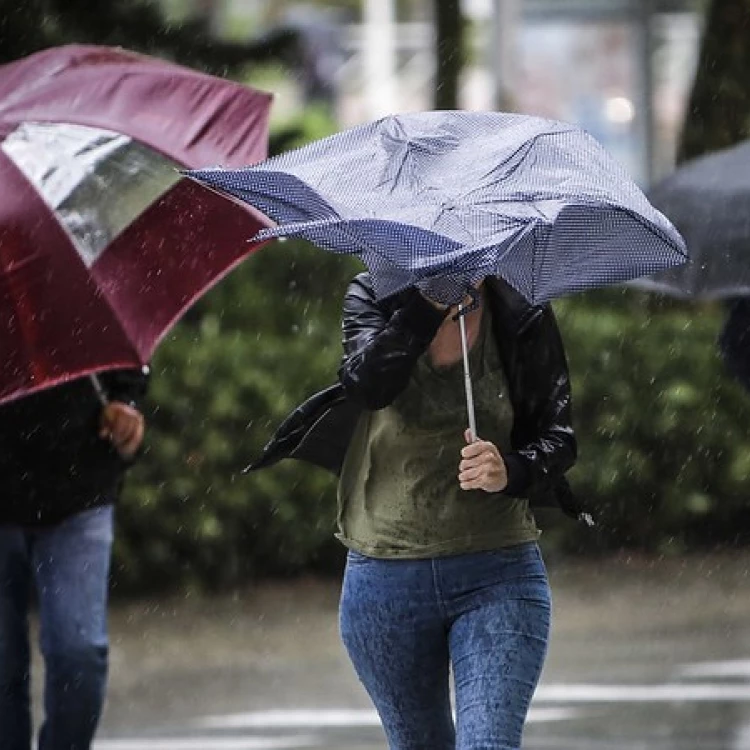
x=645 y=112
x=506 y=16
x=380 y=57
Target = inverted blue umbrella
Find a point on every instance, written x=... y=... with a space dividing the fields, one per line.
x=441 y=200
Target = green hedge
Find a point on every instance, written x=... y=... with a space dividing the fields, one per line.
x=266 y=338
x=664 y=446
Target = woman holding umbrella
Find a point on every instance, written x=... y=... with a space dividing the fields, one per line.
x=443 y=568
x=443 y=565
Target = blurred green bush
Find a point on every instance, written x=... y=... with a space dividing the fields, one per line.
x=663 y=430
x=266 y=338
x=256 y=345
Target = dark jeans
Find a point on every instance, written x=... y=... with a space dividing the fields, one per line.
x=69 y=564
x=487 y=615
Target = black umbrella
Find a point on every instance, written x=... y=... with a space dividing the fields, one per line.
x=708 y=200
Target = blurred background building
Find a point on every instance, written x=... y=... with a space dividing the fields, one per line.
x=620 y=68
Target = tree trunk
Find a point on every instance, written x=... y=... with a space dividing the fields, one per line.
x=31 y=25
x=450 y=53
x=718 y=113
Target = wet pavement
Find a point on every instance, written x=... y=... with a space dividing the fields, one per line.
x=644 y=654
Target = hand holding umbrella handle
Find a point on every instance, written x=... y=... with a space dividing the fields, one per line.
x=482 y=466
x=123 y=426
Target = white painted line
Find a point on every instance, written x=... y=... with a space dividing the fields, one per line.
x=292 y=719
x=729 y=668
x=741 y=738
x=303 y=719
x=542 y=715
x=667 y=693
x=207 y=743
x=330 y=718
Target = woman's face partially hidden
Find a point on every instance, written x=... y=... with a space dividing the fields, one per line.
x=479 y=286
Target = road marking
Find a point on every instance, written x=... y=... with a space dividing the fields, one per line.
x=206 y=743
x=331 y=718
x=666 y=693
x=280 y=719
x=729 y=668
x=541 y=715
x=292 y=719
x=562 y=694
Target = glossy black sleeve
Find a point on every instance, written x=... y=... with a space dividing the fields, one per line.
x=382 y=344
x=549 y=448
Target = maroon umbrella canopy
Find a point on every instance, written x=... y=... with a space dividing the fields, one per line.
x=102 y=244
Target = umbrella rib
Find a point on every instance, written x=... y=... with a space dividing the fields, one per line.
x=463 y=193
x=524 y=146
x=115 y=313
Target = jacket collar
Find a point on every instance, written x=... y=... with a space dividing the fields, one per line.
x=510 y=308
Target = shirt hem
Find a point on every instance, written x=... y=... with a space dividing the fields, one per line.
x=443 y=549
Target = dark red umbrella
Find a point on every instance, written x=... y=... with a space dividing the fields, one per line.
x=102 y=244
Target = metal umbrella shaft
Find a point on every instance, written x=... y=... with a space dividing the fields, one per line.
x=101 y=393
x=467 y=372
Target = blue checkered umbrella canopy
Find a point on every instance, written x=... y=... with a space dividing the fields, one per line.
x=442 y=199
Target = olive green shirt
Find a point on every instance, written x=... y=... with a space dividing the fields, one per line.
x=399 y=494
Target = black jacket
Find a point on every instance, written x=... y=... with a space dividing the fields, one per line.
x=52 y=461
x=382 y=342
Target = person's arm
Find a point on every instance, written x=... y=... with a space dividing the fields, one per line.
x=545 y=442
x=380 y=350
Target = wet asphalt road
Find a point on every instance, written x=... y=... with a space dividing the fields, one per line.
x=644 y=654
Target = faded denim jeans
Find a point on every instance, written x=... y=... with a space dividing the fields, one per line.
x=69 y=566
x=484 y=615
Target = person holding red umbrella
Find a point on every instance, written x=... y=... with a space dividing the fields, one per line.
x=469 y=224
x=103 y=246
x=63 y=457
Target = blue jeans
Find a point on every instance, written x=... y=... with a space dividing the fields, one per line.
x=487 y=615
x=69 y=564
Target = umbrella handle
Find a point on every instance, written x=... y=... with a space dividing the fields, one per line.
x=101 y=394
x=461 y=315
